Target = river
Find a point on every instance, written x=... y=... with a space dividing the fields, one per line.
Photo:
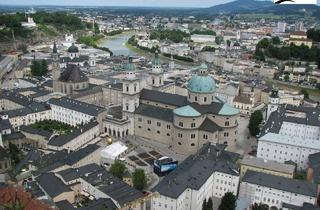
x=117 y=44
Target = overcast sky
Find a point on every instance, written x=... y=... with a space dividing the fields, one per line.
x=155 y=3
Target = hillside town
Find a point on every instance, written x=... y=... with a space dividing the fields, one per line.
x=136 y=110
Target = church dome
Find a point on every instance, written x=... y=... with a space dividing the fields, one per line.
x=73 y=49
x=202 y=82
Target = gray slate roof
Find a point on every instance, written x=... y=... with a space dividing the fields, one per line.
x=78 y=155
x=113 y=187
x=209 y=126
x=78 y=106
x=36 y=131
x=196 y=169
x=276 y=118
x=155 y=112
x=165 y=98
x=281 y=183
x=66 y=138
x=52 y=185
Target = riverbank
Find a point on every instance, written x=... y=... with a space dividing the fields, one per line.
x=93 y=41
x=162 y=57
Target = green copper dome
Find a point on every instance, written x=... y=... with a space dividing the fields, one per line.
x=202 y=82
x=73 y=49
x=186 y=111
x=130 y=65
x=228 y=110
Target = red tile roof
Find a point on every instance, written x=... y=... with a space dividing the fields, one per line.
x=10 y=195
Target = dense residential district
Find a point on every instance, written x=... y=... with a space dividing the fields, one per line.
x=154 y=109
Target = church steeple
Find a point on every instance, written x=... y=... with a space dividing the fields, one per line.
x=156 y=74
x=55 y=68
x=55 y=50
x=156 y=65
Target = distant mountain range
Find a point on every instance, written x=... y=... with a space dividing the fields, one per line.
x=240 y=6
x=253 y=6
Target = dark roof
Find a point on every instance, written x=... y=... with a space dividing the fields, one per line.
x=73 y=74
x=80 y=59
x=48 y=83
x=113 y=187
x=117 y=86
x=52 y=185
x=164 y=98
x=78 y=106
x=73 y=49
x=13 y=136
x=34 y=189
x=5 y=124
x=3 y=154
x=155 y=112
x=242 y=99
x=281 y=183
x=314 y=163
x=213 y=108
x=276 y=118
x=36 y=131
x=101 y=203
x=305 y=206
x=28 y=104
x=78 y=155
x=209 y=126
x=64 y=139
x=69 y=174
x=196 y=169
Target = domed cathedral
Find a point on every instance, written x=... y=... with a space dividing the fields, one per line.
x=70 y=80
x=185 y=124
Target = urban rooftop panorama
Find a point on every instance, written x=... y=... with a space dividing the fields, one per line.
x=160 y=105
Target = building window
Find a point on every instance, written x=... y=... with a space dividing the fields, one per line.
x=226 y=123
x=158 y=124
x=158 y=132
x=149 y=122
x=180 y=135
x=168 y=134
x=149 y=129
x=193 y=136
x=179 y=143
x=193 y=145
x=195 y=98
x=139 y=119
x=127 y=88
x=193 y=125
x=181 y=124
x=226 y=134
x=205 y=136
x=205 y=99
x=168 y=127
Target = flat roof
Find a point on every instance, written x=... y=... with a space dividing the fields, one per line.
x=267 y=164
